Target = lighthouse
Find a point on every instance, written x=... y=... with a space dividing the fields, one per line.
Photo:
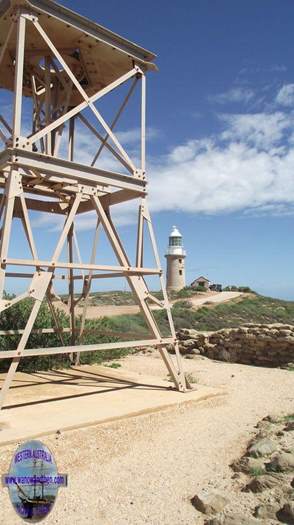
x=175 y=262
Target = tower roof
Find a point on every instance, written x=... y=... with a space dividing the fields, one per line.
x=97 y=55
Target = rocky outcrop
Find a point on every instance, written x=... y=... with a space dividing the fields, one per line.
x=251 y=344
x=234 y=519
x=262 y=447
x=262 y=479
x=209 y=502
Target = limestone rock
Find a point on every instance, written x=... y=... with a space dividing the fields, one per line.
x=267 y=511
x=283 y=462
x=272 y=418
x=286 y=514
x=249 y=465
x=148 y=350
x=255 y=344
x=262 y=447
x=289 y=426
x=188 y=343
x=190 y=333
x=288 y=493
x=261 y=483
x=233 y=519
x=224 y=355
x=209 y=502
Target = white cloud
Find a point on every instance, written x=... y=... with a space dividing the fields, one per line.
x=237 y=94
x=285 y=96
x=122 y=215
x=276 y=209
x=251 y=169
x=262 y=130
x=247 y=167
x=189 y=150
x=133 y=136
x=274 y=68
x=279 y=68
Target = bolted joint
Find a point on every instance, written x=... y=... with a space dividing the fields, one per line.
x=32 y=18
x=23 y=143
x=140 y=174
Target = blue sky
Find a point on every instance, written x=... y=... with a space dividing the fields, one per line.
x=216 y=58
x=221 y=141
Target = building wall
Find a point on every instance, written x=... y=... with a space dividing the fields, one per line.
x=205 y=284
x=175 y=273
x=196 y=283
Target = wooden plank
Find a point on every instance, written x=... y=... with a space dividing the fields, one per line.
x=70 y=170
x=8 y=354
x=81 y=266
x=18 y=78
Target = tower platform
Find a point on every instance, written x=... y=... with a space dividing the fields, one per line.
x=62 y=400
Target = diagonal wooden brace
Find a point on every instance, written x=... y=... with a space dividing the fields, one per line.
x=38 y=288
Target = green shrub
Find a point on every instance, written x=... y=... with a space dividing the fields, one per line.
x=257 y=309
x=256 y=471
x=15 y=318
x=113 y=365
x=96 y=331
x=200 y=288
x=289 y=417
x=183 y=304
x=234 y=288
x=185 y=292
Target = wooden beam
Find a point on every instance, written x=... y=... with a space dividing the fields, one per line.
x=8 y=354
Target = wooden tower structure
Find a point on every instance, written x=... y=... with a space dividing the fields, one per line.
x=59 y=67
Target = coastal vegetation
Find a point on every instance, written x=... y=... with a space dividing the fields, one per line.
x=250 y=308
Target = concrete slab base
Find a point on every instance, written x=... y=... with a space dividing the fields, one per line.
x=43 y=402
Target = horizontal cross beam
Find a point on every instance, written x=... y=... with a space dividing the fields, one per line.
x=81 y=266
x=73 y=172
x=8 y=354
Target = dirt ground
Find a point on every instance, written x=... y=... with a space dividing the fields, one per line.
x=144 y=470
x=93 y=312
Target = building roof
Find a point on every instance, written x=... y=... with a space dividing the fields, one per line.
x=201 y=278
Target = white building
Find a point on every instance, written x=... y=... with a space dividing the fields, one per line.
x=175 y=262
x=201 y=281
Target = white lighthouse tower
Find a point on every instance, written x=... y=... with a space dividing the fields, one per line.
x=175 y=262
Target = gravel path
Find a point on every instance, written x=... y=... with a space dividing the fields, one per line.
x=217 y=298
x=144 y=470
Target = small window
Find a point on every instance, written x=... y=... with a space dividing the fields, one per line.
x=175 y=241
x=180 y=261
x=181 y=272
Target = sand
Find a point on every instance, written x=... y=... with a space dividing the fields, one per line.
x=144 y=470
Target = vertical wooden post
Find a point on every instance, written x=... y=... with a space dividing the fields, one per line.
x=48 y=104
x=18 y=78
x=71 y=292
x=12 y=188
x=143 y=123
